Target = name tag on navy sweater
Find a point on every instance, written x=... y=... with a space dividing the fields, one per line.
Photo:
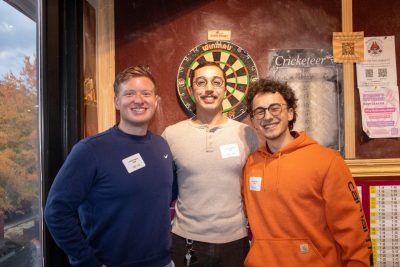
x=133 y=163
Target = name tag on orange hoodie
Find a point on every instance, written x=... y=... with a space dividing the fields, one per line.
x=255 y=183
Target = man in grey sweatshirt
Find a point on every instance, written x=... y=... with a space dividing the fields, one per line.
x=209 y=151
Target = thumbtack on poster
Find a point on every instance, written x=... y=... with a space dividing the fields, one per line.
x=219 y=35
x=348 y=47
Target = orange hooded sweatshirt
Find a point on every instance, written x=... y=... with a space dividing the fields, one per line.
x=303 y=208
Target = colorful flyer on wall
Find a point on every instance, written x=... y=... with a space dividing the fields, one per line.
x=379 y=65
x=380 y=111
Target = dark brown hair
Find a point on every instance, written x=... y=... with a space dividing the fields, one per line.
x=263 y=86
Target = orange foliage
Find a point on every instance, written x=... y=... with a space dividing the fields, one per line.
x=18 y=138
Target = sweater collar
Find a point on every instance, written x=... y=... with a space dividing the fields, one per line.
x=205 y=126
x=142 y=138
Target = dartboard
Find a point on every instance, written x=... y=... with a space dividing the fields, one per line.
x=239 y=68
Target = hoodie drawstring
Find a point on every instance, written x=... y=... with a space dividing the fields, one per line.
x=277 y=171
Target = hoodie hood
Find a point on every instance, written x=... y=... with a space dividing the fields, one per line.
x=300 y=140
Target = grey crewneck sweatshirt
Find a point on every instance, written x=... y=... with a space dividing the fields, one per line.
x=209 y=167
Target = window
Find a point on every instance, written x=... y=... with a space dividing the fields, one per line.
x=20 y=199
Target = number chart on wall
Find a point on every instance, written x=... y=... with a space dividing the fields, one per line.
x=381 y=201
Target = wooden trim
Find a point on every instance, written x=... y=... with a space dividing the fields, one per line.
x=349 y=114
x=374 y=167
x=347 y=15
x=105 y=64
x=348 y=84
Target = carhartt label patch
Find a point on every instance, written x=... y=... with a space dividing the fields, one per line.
x=304 y=248
x=133 y=163
x=255 y=183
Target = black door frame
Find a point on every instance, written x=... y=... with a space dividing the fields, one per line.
x=60 y=30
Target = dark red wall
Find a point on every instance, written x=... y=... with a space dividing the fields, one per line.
x=376 y=18
x=161 y=32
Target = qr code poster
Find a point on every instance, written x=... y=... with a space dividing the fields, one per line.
x=348 y=47
x=379 y=65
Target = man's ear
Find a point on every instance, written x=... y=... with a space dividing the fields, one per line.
x=290 y=114
x=117 y=103
x=158 y=98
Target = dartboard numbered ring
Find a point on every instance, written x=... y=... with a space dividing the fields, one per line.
x=239 y=68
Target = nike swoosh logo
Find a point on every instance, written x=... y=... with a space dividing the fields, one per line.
x=165 y=156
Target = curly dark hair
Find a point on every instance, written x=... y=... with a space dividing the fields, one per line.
x=263 y=86
x=130 y=72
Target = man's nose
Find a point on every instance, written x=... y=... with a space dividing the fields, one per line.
x=209 y=87
x=138 y=98
x=268 y=115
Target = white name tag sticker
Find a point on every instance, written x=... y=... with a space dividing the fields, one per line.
x=133 y=163
x=255 y=183
x=229 y=151
x=304 y=248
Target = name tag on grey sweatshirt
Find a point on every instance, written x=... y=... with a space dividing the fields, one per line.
x=229 y=151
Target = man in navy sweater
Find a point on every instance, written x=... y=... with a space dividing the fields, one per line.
x=118 y=183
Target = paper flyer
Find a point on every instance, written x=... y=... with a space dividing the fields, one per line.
x=380 y=111
x=377 y=83
x=379 y=65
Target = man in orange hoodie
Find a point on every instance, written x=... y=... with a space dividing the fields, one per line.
x=300 y=198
